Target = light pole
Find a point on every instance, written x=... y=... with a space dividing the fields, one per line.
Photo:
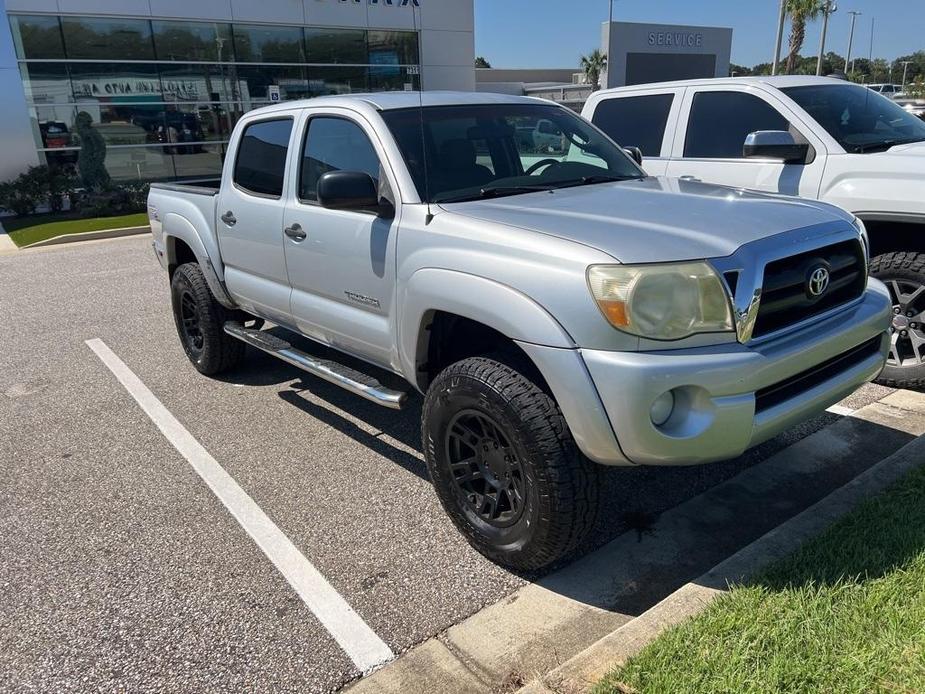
x=854 y=15
x=829 y=8
x=905 y=70
x=780 y=36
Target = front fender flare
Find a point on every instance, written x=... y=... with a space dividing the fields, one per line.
x=496 y=305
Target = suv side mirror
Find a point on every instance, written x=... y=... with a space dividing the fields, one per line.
x=351 y=190
x=775 y=144
x=634 y=153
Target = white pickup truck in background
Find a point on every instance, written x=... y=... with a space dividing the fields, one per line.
x=814 y=137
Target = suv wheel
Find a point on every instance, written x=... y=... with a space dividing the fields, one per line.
x=904 y=276
x=200 y=321
x=504 y=465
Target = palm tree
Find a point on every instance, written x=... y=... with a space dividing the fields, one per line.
x=800 y=11
x=593 y=65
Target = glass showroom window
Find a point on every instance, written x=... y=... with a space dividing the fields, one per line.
x=38 y=38
x=268 y=44
x=345 y=46
x=90 y=38
x=193 y=41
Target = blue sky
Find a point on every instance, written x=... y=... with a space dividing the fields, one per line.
x=554 y=33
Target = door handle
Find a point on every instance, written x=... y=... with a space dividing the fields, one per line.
x=688 y=177
x=295 y=232
x=229 y=218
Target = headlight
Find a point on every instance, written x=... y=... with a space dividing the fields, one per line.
x=662 y=302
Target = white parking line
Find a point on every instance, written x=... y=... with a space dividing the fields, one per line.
x=359 y=642
x=841 y=410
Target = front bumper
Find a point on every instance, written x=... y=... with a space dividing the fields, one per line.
x=717 y=414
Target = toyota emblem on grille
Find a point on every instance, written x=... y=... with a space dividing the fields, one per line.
x=818 y=281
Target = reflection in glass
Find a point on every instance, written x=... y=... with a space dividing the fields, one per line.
x=193 y=41
x=252 y=82
x=203 y=162
x=323 y=81
x=393 y=48
x=46 y=83
x=126 y=164
x=90 y=38
x=335 y=46
x=37 y=37
x=392 y=78
x=111 y=81
x=201 y=82
x=268 y=44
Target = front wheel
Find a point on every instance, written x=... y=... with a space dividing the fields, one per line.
x=904 y=276
x=504 y=465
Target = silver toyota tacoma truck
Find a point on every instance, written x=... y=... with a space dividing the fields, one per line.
x=559 y=310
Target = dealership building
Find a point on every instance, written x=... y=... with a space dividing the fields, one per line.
x=164 y=81
x=642 y=53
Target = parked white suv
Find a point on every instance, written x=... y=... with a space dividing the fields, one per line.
x=813 y=137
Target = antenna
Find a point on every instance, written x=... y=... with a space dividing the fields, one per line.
x=414 y=16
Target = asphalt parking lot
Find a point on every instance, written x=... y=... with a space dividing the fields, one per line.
x=121 y=570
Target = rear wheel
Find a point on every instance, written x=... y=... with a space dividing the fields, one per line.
x=200 y=322
x=904 y=276
x=504 y=465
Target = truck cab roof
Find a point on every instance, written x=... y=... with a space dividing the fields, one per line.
x=389 y=101
x=777 y=81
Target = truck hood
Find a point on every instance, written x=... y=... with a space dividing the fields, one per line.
x=913 y=149
x=654 y=219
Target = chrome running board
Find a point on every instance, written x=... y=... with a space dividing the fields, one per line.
x=349 y=379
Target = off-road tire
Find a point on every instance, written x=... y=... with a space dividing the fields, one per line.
x=910 y=268
x=561 y=485
x=214 y=351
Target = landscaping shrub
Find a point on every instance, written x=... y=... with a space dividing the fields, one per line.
x=38 y=185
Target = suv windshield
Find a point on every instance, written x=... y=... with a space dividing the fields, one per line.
x=860 y=119
x=457 y=153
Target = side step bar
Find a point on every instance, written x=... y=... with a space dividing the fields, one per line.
x=349 y=379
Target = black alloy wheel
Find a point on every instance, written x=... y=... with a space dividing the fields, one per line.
x=486 y=468
x=904 y=276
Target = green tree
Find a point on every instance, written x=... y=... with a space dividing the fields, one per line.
x=91 y=160
x=739 y=70
x=481 y=62
x=800 y=11
x=593 y=65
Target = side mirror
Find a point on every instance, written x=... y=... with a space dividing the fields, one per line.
x=774 y=144
x=351 y=190
x=634 y=153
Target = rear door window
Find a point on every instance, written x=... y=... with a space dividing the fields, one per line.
x=635 y=121
x=260 y=166
x=719 y=122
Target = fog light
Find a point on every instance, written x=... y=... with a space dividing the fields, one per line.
x=662 y=408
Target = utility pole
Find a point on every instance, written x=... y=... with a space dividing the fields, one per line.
x=829 y=8
x=780 y=36
x=854 y=15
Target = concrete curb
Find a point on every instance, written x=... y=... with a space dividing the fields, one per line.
x=89 y=236
x=6 y=243
x=546 y=624
x=585 y=669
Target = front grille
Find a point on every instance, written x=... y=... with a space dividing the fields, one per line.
x=785 y=298
x=803 y=381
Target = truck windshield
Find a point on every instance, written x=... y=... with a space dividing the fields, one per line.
x=457 y=153
x=859 y=119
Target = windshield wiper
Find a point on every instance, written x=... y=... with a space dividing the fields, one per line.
x=596 y=178
x=496 y=192
x=884 y=145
